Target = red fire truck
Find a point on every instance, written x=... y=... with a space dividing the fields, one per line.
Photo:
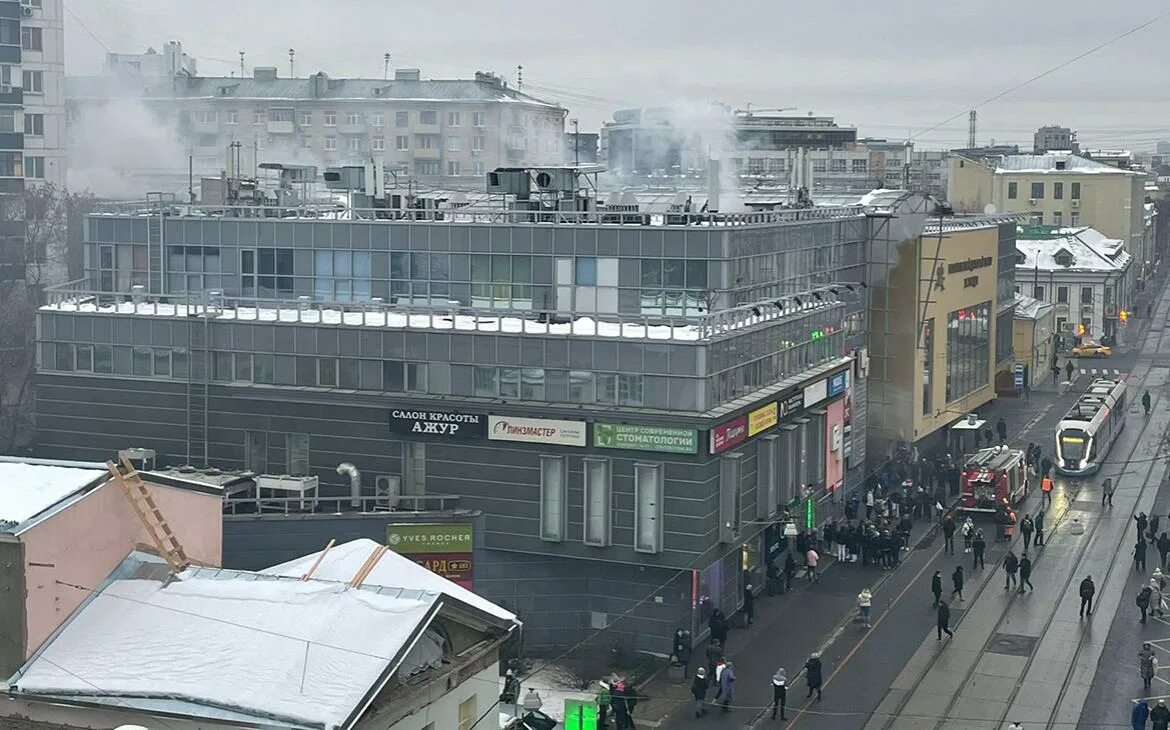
x=991 y=476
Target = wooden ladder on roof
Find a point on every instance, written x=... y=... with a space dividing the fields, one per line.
x=149 y=515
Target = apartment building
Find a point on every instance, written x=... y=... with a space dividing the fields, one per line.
x=615 y=408
x=443 y=132
x=42 y=80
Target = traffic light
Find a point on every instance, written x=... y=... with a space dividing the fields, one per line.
x=1080 y=330
x=1123 y=316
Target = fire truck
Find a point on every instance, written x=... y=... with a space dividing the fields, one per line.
x=992 y=476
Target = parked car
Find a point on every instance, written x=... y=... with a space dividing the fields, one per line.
x=1092 y=349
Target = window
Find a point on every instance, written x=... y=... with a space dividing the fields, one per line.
x=467 y=713
x=477 y=119
x=928 y=367
x=259 y=116
x=1013 y=189
x=597 y=502
x=306 y=119
x=341 y=276
x=353 y=118
x=34 y=125
x=453 y=168
x=453 y=144
x=7 y=120
x=296 y=449
x=378 y=144
x=501 y=281
x=353 y=144
x=402 y=142
x=103 y=359
x=414 y=468
x=1062 y=295
x=860 y=166
x=477 y=143
x=478 y=169
x=648 y=508
x=233 y=118
x=428 y=117
x=1086 y=295
x=486 y=381
x=416 y=377
x=280 y=115
x=1036 y=219
x=552 y=498
x=453 y=119
x=256 y=451
x=401 y=119
x=968 y=351
x=34 y=82
x=84 y=358
x=1075 y=191
x=11 y=164
x=305 y=142
x=427 y=168
x=34 y=167
x=330 y=119
x=32 y=39
x=1074 y=219
x=266 y=272
x=1038 y=293
x=10 y=32
x=330 y=143
x=1058 y=218
x=585 y=272
x=1037 y=191
x=1058 y=191
x=427 y=141
x=64 y=357
x=378 y=120
x=673 y=286
x=730 y=488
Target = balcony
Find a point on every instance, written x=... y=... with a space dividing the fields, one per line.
x=428 y=153
x=281 y=127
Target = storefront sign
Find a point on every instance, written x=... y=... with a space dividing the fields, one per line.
x=838 y=383
x=763 y=418
x=438 y=423
x=792 y=404
x=444 y=549
x=537 y=430
x=816 y=393
x=645 y=438
x=969 y=265
x=728 y=435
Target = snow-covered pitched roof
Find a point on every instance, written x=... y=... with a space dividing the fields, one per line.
x=1042 y=164
x=28 y=489
x=1089 y=249
x=392 y=571
x=1030 y=308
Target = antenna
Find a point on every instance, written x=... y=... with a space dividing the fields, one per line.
x=971 y=130
x=292 y=54
x=242 y=72
x=520 y=78
x=386 y=66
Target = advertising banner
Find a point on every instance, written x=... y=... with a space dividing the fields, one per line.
x=838 y=383
x=447 y=424
x=537 y=430
x=728 y=435
x=762 y=419
x=645 y=438
x=442 y=548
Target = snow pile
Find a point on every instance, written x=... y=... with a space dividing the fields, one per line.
x=28 y=489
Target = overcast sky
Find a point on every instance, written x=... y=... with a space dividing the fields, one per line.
x=893 y=68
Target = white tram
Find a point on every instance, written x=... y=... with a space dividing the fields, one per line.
x=1085 y=435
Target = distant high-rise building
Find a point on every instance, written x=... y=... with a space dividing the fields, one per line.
x=1054 y=138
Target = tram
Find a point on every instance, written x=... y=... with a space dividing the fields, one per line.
x=1087 y=432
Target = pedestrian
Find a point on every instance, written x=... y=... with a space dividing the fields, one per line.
x=1140 y=715
x=789 y=571
x=948 y=529
x=1027 y=527
x=936 y=588
x=1143 y=601
x=968 y=532
x=812 y=674
x=719 y=628
x=1046 y=491
x=1160 y=716
x=1068 y=370
x=1147 y=664
x=727 y=686
x=631 y=695
x=1164 y=548
x=1086 y=591
x=749 y=603
x=682 y=649
x=869 y=505
x=699 y=687
x=714 y=654
x=1010 y=565
x=1055 y=374
x=944 y=620
x=957 y=582
x=1146 y=402
x=1142 y=523
x=617 y=702
x=1045 y=467
x=603 y=700
x=1025 y=572
x=1038 y=521
x=810 y=565
x=864 y=602
x=1139 y=556
x=1107 y=491
x=979 y=545
x=1158 y=590
x=779 y=693
x=1001 y=429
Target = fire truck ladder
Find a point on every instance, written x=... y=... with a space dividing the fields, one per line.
x=149 y=515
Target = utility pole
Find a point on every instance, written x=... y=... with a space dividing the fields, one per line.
x=386 y=66
x=242 y=73
x=576 y=137
x=291 y=65
x=971 y=130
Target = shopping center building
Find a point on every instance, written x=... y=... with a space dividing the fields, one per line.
x=618 y=407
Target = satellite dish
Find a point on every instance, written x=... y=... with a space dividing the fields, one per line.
x=990 y=209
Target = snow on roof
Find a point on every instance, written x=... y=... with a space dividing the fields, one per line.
x=1042 y=164
x=1090 y=250
x=302 y=652
x=392 y=571
x=26 y=490
x=1030 y=308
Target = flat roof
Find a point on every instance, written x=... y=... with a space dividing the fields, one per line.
x=28 y=489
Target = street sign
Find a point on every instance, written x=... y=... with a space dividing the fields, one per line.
x=1019 y=376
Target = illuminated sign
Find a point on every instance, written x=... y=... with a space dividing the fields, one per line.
x=763 y=418
x=969 y=265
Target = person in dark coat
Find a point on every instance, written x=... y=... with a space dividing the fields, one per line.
x=1140 y=715
x=617 y=702
x=1025 y=572
x=1139 y=556
x=936 y=587
x=1160 y=716
x=779 y=693
x=699 y=687
x=789 y=571
x=1027 y=527
x=749 y=603
x=714 y=654
x=682 y=649
x=718 y=625
x=1143 y=601
x=812 y=674
x=944 y=620
x=1163 y=548
x=1045 y=467
x=1087 y=590
x=1143 y=522
x=978 y=547
x=957 y=582
x=1038 y=521
x=1001 y=429
x=1147 y=664
x=1010 y=565
x=948 y=529
x=727 y=686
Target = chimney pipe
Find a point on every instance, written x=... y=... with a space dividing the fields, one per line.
x=355 y=482
x=713 y=186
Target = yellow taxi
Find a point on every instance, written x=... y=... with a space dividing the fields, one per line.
x=1092 y=349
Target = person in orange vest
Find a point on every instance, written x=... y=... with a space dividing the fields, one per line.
x=1046 y=488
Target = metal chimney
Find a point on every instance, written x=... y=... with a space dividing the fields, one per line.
x=713 y=186
x=355 y=482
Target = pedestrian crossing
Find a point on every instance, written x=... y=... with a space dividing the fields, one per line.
x=1100 y=372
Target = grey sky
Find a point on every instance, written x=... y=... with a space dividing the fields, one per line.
x=893 y=67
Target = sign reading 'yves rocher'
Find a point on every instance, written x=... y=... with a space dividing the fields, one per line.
x=447 y=424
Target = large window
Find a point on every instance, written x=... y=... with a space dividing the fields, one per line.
x=552 y=498
x=1037 y=190
x=968 y=351
x=266 y=272
x=501 y=281
x=1013 y=190
x=927 y=366
x=32 y=39
x=296 y=449
x=1058 y=191
x=673 y=286
x=341 y=276
x=597 y=500
x=648 y=508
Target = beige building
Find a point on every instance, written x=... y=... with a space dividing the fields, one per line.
x=1058 y=189
x=1032 y=337
x=447 y=132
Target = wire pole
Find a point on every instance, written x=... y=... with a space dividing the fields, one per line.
x=386 y=66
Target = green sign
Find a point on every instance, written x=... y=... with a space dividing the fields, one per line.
x=645 y=438
x=415 y=538
x=580 y=714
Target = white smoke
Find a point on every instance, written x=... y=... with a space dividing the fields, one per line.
x=707 y=132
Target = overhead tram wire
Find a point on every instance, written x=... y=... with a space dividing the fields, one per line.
x=1049 y=72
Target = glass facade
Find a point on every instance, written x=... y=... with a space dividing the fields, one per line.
x=968 y=350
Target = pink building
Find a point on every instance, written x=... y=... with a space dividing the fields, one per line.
x=66 y=526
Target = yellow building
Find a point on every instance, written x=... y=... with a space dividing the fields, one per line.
x=1032 y=339
x=1056 y=189
x=941 y=313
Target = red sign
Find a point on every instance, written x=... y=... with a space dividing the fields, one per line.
x=455 y=567
x=728 y=435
